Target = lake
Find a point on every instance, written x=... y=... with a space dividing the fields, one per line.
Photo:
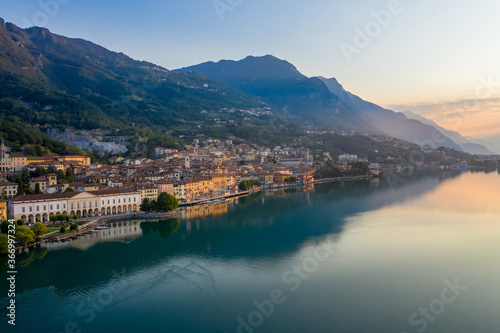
x=412 y=253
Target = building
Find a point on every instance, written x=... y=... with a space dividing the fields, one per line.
x=11 y=163
x=76 y=160
x=58 y=161
x=3 y=210
x=164 y=186
x=292 y=161
x=280 y=177
x=219 y=183
x=81 y=187
x=163 y=151
x=150 y=193
x=43 y=182
x=463 y=166
x=266 y=178
x=117 y=201
x=8 y=189
x=206 y=185
x=374 y=168
x=39 y=207
x=58 y=188
x=193 y=189
x=180 y=190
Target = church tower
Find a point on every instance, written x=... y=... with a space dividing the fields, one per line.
x=3 y=152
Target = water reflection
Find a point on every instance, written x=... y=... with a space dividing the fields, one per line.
x=215 y=259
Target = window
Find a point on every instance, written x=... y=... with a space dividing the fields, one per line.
x=37 y=208
x=119 y=200
x=108 y=202
x=44 y=207
x=24 y=209
x=134 y=199
x=128 y=199
x=78 y=205
x=51 y=207
x=57 y=206
x=72 y=206
x=114 y=201
x=64 y=206
x=103 y=202
x=90 y=204
x=31 y=209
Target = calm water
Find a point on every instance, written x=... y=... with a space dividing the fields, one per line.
x=416 y=254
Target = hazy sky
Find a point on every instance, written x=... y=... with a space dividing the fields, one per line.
x=418 y=52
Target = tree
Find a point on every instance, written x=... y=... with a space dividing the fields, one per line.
x=291 y=180
x=52 y=169
x=154 y=205
x=67 y=217
x=37 y=189
x=69 y=189
x=4 y=227
x=24 y=235
x=62 y=230
x=4 y=244
x=359 y=168
x=75 y=217
x=20 y=222
x=69 y=175
x=25 y=176
x=245 y=185
x=39 y=229
x=145 y=205
x=40 y=171
x=173 y=203
x=54 y=218
x=29 y=151
x=73 y=227
x=167 y=202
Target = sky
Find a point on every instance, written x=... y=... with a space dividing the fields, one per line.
x=429 y=57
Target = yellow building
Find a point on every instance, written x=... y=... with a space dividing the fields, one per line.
x=280 y=177
x=206 y=185
x=43 y=182
x=193 y=189
x=150 y=193
x=78 y=160
x=68 y=159
x=8 y=189
x=220 y=182
x=266 y=178
x=3 y=210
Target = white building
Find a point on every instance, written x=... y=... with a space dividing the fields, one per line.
x=39 y=207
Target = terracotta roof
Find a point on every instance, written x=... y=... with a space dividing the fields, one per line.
x=163 y=181
x=112 y=191
x=8 y=184
x=42 y=197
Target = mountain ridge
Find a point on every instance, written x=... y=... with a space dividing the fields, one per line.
x=342 y=109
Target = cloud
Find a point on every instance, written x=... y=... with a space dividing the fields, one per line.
x=478 y=118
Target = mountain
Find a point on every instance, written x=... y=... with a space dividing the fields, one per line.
x=319 y=101
x=280 y=84
x=51 y=83
x=391 y=123
x=468 y=145
x=48 y=80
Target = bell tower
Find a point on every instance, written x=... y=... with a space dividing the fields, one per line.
x=3 y=152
